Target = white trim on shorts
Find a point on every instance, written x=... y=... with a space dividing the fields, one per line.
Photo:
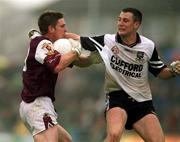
x=32 y=114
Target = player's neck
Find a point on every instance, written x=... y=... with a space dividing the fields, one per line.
x=129 y=39
x=50 y=36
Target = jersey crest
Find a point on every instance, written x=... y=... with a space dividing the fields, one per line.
x=49 y=48
x=115 y=50
x=140 y=57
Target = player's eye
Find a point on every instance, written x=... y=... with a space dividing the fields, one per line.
x=126 y=20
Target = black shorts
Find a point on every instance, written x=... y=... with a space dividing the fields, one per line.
x=135 y=110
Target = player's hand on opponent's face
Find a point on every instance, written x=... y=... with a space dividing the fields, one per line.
x=76 y=46
x=175 y=68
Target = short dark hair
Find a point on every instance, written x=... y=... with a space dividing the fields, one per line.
x=136 y=13
x=47 y=18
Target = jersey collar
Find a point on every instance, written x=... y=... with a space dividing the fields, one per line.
x=119 y=40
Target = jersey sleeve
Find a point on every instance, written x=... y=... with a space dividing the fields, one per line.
x=45 y=54
x=88 y=44
x=155 y=63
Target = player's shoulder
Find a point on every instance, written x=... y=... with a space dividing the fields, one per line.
x=109 y=39
x=109 y=36
x=145 y=40
x=39 y=39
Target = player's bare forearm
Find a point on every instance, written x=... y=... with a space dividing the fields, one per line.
x=83 y=62
x=172 y=71
x=165 y=74
x=65 y=61
x=72 y=35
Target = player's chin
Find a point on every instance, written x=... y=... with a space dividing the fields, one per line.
x=122 y=33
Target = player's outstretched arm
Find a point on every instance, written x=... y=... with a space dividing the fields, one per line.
x=83 y=62
x=72 y=35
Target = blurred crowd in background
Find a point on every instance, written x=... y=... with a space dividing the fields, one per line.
x=80 y=97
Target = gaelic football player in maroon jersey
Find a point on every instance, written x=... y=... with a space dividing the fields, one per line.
x=41 y=67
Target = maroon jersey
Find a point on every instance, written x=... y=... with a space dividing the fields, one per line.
x=38 y=76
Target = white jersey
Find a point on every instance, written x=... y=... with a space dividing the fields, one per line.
x=127 y=67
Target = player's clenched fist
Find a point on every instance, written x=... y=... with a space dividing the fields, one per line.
x=175 y=68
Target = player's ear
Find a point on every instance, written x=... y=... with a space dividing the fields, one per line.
x=51 y=29
x=137 y=24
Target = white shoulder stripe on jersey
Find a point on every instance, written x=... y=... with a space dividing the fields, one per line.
x=41 y=52
x=157 y=67
x=99 y=46
x=156 y=62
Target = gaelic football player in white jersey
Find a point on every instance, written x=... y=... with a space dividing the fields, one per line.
x=128 y=56
x=40 y=72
